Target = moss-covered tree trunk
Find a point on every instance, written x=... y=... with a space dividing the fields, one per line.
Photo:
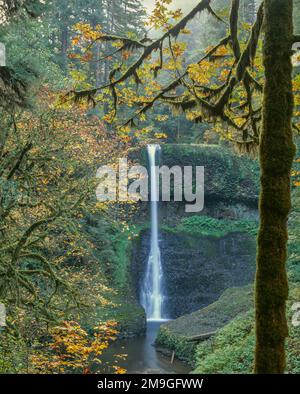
x=277 y=151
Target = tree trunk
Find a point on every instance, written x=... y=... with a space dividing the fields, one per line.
x=277 y=151
x=64 y=44
x=97 y=65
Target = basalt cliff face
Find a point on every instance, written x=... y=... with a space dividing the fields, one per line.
x=197 y=270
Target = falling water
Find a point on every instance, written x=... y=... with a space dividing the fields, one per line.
x=151 y=292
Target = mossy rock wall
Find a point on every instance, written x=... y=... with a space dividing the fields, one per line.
x=113 y=252
x=197 y=269
x=174 y=335
x=229 y=178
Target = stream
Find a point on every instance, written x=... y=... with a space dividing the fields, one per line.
x=142 y=357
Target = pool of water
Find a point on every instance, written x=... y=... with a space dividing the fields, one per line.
x=142 y=356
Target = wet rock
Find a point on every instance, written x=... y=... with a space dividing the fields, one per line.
x=197 y=270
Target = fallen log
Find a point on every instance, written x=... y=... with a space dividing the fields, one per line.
x=200 y=337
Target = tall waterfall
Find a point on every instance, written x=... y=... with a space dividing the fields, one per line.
x=152 y=290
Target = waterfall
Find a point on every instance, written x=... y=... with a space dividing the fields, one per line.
x=152 y=291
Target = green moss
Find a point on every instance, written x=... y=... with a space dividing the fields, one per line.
x=173 y=334
x=294 y=245
x=228 y=177
x=115 y=249
x=126 y=311
x=184 y=350
x=277 y=151
x=123 y=243
x=232 y=349
x=208 y=226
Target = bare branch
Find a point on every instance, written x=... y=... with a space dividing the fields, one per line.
x=250 y=51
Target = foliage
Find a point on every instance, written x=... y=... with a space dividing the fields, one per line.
x=29 y=54
x=11 y=8
x=112 y=252
x=54 y=265
x=208 y=226
x=72 y=350
x=13 y=354
x=172 y=335
x=231 y=350
x=228 y=177
x=16 y=76
x=117 y=17
x=48 y=160
x=184 y=350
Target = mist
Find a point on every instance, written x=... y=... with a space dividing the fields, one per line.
x=185 y=5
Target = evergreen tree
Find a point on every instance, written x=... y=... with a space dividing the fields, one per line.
x=15 y=78
x=297 y=16
x=134 y=13
x=249 y=10
x=115 y=16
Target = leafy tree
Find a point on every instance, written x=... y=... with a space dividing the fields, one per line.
x=112 y=15
x=47 y=163
x=13 y=87
x=11 y=8
x=71 y=350
x=29 y=54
